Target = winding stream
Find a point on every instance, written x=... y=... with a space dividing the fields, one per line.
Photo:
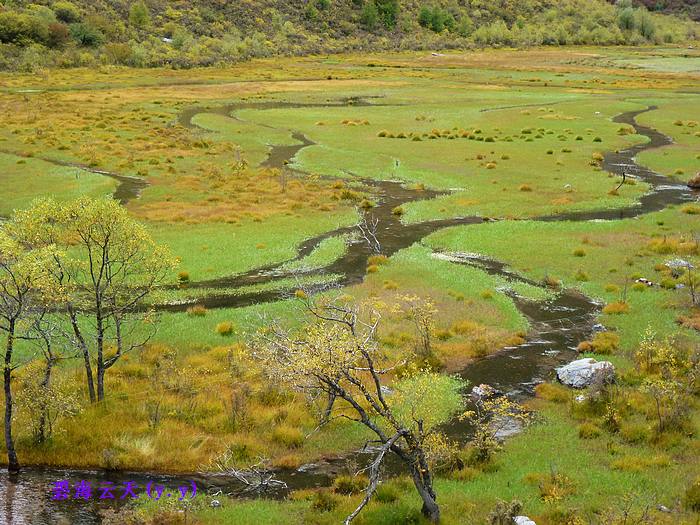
x=557 y=324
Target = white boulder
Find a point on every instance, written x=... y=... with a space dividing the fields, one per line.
x=582 y=372
x=523 y=520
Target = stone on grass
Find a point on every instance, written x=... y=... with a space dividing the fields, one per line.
x=583 y=372
x=523 y=520
x=676 y=264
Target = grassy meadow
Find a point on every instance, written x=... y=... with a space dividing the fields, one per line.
x=503 y=134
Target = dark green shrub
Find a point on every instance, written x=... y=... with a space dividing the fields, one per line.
x=86 y=35
x=66 y=12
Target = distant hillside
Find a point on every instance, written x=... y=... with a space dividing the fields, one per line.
x=187 y=33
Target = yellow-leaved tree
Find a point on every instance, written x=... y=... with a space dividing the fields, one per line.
x=337 y=356
x=108 y=265
x=27 y=288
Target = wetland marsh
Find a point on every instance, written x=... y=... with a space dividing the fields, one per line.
x=524 y=194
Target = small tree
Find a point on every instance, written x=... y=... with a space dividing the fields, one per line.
x=421 y=313
x=117 y=265
x=491 y=414
x=110 y=265
x=665 y=393
x=338 y=356
x=24 y=285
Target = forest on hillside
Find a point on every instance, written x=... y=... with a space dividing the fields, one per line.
x=184 y=34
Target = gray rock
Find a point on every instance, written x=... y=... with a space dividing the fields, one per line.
x=599 y=328
x=523 y=520
x=583 y=372
x=215 y=503
x=676 y=264
x=484 y=391
x=507 y=427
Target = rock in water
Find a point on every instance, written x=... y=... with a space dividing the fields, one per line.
x=484 y=391
x=583 y=372
x=695 y=182
x=523 y=520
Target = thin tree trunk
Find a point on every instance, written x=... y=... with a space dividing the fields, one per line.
x=100 y=356
x=328 y=411
x=43 y=417
x=423 y=481
x=12 y=461
x=85 y=352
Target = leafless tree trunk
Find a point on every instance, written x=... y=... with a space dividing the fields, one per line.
x=368 y=227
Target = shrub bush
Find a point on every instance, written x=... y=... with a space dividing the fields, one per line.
x=66 y=12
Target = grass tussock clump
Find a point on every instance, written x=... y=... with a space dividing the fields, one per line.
x=553 y=392
x=288 y=436
x=605 y=342
x=551 y=282
x=197 y=311
x=324 y=501
x=348 y=485
x=589 y=431
x=616 y=308
x=377 y=260
x=582 y=276
x=224 y=328
x=553 y=486
x=638 y=463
